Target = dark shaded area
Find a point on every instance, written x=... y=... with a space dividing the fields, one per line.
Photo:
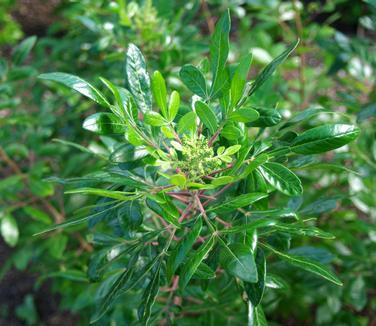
x=16 y=285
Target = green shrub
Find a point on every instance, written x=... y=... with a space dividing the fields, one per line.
x=193 y=209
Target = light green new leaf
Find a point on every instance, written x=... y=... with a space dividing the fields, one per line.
x=187 y=123
x=207 y=116
x=308 y=265
x=281 y=178
x=158 y=86
x=153 y=118
x=178 y=180
x=238 y=260
x=270 y=68
x=138 y=80
x=173 y=105
x=193 y=78
x=324 y=138
x=78 y=84
x=239 y=80
x=194 y=261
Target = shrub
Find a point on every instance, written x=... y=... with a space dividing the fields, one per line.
x=193 y=208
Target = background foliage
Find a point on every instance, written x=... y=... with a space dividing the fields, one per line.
x=333 y=69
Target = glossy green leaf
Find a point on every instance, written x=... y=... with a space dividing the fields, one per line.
x=194 y=261
x=254 y=164
x=324 y=138
x=167 y=210
x=256 y=316
x=183 y=248
x=237 y=202
x=231 y=132
x=187 y=123
x=308 y=265
x=219 y=49
x=270 y=68
x=138 y=80
x=255 y=291
x=267 y=118
x=104 y=123
x=9 y=229
x=22 y=50
x=207 y=116
x=116 y=287
x=79 y=85
x=130 y=215
x=244 y=115
x=251 y=225
x=239 y=79
x=193 y=78
x=238 y=260
x=281 y=178
x=121 y=195
x=158 y=85
x=173 y=105
x=149 y=296
x=128 y=153
x=154 y=119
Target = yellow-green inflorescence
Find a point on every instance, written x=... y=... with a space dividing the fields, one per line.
x=198 y=158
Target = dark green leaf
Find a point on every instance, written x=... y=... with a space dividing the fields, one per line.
x=130 y=216
x=281 y=178
x=194 y=261
x=219 y=48
x=194 y=80
x=255 y=291
x=149 y=296
x=237 y=202
x=22 y=50
x=181 y=251
x=308 y=265
x=104 y=123
x=78 y=84
x=324 y=138
x=270 y=68
x=238 y=260
x=267 y=118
